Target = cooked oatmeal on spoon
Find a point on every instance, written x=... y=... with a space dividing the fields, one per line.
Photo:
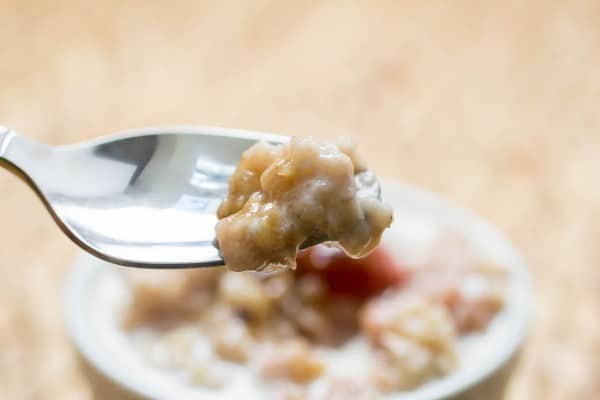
x=282 y=197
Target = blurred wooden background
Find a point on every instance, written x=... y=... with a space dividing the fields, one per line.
x=493 y=104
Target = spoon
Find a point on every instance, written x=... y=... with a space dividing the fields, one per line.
x=142 y=198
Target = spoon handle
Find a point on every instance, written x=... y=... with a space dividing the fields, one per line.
x=21 y=156
x=4 y=139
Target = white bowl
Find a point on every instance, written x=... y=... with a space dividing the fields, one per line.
x=96 y=296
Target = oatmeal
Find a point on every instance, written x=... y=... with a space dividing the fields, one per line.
x=414 y=337
x=292 y=360
x=334 y=328
x=304 y=192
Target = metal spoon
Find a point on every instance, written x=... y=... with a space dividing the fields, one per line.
x=142 y=198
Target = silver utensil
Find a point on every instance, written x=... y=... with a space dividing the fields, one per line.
x=142 y=198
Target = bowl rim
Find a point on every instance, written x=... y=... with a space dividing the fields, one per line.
x=81 y=274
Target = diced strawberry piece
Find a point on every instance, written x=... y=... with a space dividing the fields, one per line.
x=363 y=277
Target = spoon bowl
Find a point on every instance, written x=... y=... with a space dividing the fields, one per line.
x=141 y=198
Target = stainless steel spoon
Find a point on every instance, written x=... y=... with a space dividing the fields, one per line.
x=142 y=198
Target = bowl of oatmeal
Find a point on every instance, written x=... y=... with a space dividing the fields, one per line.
x=438 y=311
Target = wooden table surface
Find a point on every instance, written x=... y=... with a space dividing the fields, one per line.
x=493 y=104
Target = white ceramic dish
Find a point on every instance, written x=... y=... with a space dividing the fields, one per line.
x=96 y=295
